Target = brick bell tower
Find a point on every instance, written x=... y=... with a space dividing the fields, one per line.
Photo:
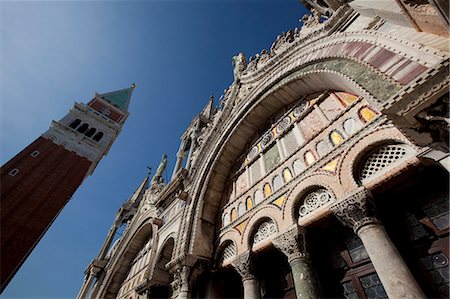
x=38 y=182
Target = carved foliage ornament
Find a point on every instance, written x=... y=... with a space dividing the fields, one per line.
x=292 y=243
x=244 y=266
x=355 y=210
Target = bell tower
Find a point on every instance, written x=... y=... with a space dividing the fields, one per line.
x=39 y=181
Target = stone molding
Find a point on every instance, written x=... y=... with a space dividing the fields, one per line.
x=244 y=266
x=292 y=243
x=355 y=210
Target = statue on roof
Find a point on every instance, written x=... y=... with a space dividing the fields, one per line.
x=239 y=64
x=158 y=177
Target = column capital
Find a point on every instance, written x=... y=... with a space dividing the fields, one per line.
x=244 y=266
x=292 y=243
x=356 y=210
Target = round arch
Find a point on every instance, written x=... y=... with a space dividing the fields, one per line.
x=307 y=70
x=122 y=265
x=354 y=154
x=315 y=181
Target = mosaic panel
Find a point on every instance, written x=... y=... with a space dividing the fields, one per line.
x=242 y=183
x=255 y=169
x=311 y=124
x=351 y=126
x=271 y=158
x=299 y=167
x=331 y=107
x=323 y=148
x=290 y=142
x=277 y=183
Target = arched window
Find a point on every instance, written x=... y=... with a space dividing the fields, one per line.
x=314 y=200
x=83 y=128
x=323 y=148
x=309 y=158
x=233 y=214
x=336 y=138
x=298 y=167
x=381 y=159
x=351 y=126
x=277 y=183
x=98 y=136
x=75 y=123
x=258 y=196
x=91 y=132
x=265 y=230
x=241 y=209
x=249 y=203
x=287 y=175
x=267 y=190
x=229 y=251
x=367 y=114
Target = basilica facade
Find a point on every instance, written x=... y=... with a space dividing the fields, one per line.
x=321 y=173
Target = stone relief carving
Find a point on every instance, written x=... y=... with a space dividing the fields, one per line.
x=355 y=211
x=243 y=265
x=292 y=243
x=239 y=64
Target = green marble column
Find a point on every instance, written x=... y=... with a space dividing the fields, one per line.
x=292 y=244
x=304 y=280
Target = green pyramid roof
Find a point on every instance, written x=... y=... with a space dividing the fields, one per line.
x=119 y=98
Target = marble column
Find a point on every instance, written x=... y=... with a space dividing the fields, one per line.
x=292 y=244
x=90 y=273
x=243 y=266
x=180 y=157
x=355 y=211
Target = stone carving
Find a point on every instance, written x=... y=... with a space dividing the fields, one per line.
x=243 y=265
x=320 y=7
x=265 y=230
x=239 y=64
x=292 y=243
x=158 y=179
x=311 y=20
x=314 y=200
x=355 y=211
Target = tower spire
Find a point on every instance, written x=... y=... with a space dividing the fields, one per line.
x=119 y=98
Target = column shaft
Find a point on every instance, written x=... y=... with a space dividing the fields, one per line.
x=304 y=280
x=251 y=288
x=393 y=272
x=86 y=286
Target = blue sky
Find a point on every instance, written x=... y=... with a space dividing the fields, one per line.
x=54 y=53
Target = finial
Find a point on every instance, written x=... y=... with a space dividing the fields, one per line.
x=149 y=170
x=133 y=85
x=211 y=97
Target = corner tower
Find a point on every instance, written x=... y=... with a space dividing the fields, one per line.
x=39 y=181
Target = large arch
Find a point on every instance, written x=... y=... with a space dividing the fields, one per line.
x=119 y=270
x=234 y=138
x=161 y=277
x=300 y=72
